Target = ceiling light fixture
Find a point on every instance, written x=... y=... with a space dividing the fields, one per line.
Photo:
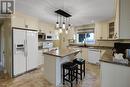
x=63 y=24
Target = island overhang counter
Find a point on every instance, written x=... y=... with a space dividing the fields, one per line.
x=53 y=61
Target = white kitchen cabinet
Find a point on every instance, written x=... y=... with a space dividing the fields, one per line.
x=94 y=55
x=45 y=27
x=122 y=20
x=18 y=21
x=40 y=57
x=98 y=30
x=31 y=23
x=113 y=75
x=101 y=30
x=105 y=30
x=22 y=21
x=84 y=53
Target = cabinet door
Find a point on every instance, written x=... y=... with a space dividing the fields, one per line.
x=84 y=53
x=18 y=21
x=122 y=21
x=113 y=75
x=98 y=30
x=108 y=75
x=40 y=57
x=31 y=23
x=116 y=31
x=32 y=50
x=104 y=32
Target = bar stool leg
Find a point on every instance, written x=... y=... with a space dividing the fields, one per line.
x=84 y=68
x=71 y=78
x=77 y=75
x=63 y=76
x=69 y=74
x=81 y=70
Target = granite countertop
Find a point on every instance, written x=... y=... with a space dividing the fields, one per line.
x=108 y=58
x=91 y=45
x=62 y=52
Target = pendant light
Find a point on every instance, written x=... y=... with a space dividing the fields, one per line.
x=60 y=28
x=66 y=31
x=63 y=25
x=69 y=25
x=57 y=23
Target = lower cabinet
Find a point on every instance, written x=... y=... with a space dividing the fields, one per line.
x=41 y=57
x=113 y=75
x=83 y=54
x=91 y=55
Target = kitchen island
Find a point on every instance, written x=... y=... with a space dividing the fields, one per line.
x=113 y=73
x=53 y=61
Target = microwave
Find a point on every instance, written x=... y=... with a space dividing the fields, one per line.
x=49 y=37
x=41 y=36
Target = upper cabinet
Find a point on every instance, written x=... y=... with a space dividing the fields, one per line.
x=45 y=27
x=119 y=27
x=101 y=30
x=17 y=20
x=31 y=23
x=48 y=28
x=23 y=21
x=122 y=20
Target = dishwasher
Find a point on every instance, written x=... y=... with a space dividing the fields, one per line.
x=94 y=55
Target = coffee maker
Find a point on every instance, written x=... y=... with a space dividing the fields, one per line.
x=123 y=48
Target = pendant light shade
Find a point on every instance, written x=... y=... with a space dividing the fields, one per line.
x=66 y=31
x=60 y=30
x=57 y=25
x=63 y=26
x=69 y=26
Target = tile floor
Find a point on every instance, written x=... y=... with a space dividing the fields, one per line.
x=36 y=79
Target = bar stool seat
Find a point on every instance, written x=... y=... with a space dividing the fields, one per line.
x=71 y=68
x=81 y=63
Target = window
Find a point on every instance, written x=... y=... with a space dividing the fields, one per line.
x=87 y=37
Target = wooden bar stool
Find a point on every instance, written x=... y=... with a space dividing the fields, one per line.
x=81 y=69
x=71 y=68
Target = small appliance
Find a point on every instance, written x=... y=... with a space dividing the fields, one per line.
x=41 y=36
x=49 y=36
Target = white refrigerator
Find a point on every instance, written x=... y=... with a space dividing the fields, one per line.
x=25 y=51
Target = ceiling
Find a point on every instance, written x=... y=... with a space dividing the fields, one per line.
x=82 y=11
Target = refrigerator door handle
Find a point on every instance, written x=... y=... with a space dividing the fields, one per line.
x=25 y=50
